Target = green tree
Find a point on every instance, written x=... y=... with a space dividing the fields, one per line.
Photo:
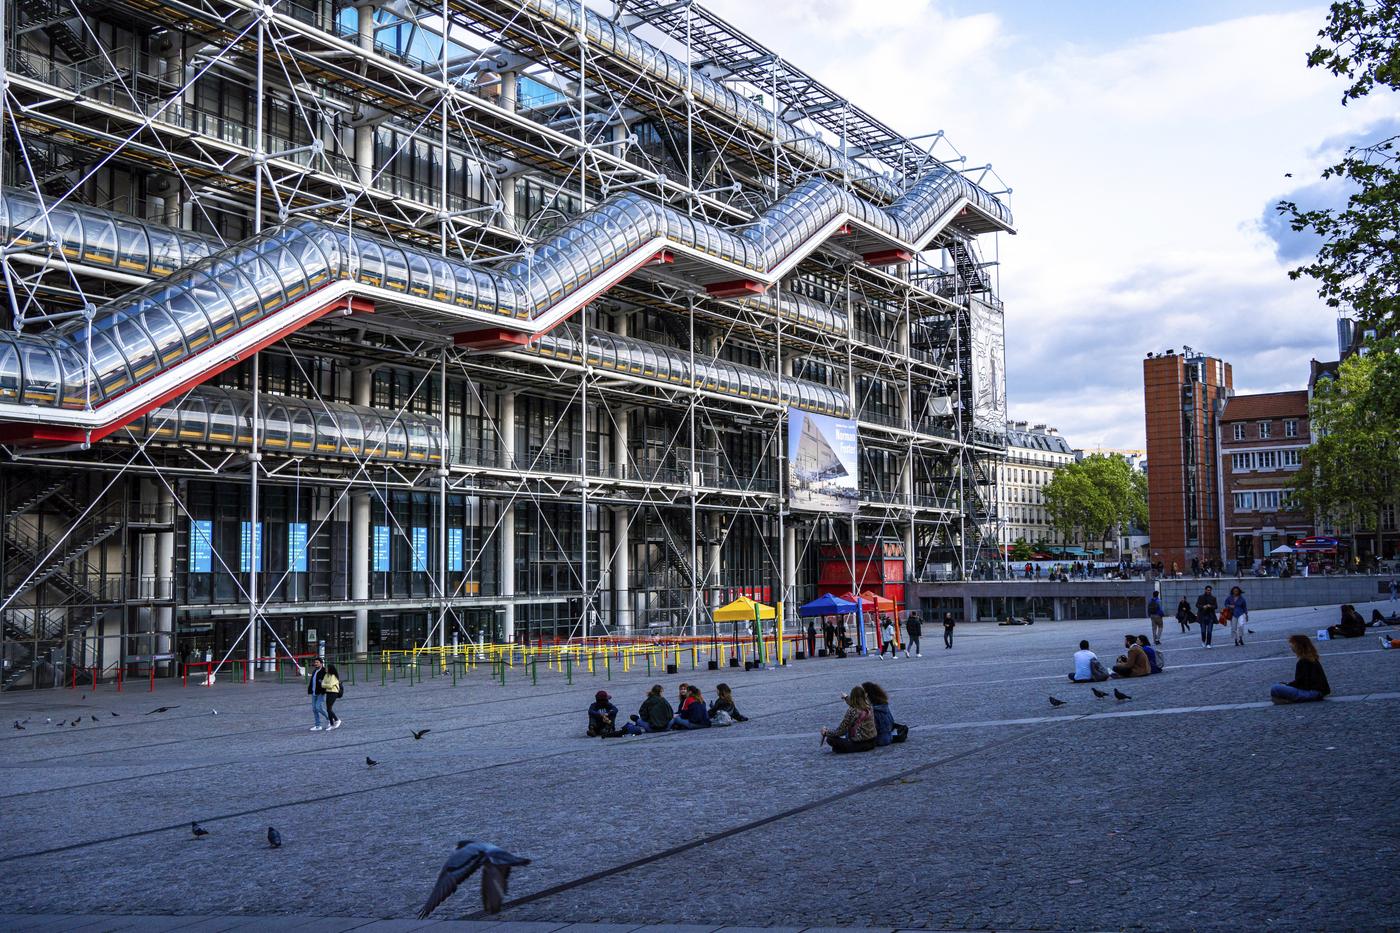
x=1358 y=264
x=1020 y=550
x=1089 y=499
x=1352 y=468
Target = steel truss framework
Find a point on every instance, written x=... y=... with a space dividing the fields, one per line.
x=377 y=476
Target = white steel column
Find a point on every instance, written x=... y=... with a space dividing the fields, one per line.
x=362 y=380
x=164 y=583
x=507 y=532
x=621 y=572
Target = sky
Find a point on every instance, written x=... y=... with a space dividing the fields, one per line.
x=1145 y=143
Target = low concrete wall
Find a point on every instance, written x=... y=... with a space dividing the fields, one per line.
x=1275 y=593
x=1077 y=598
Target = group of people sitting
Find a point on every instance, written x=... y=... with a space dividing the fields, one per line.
x=1141 y=659
x=657 y=715
x=868 y=723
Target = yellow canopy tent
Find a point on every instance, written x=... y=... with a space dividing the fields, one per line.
x=744 y=609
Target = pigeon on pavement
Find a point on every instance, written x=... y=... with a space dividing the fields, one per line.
x=197 y=829
x=18 y=726
x=1119 y=695
x=93 y=718
x=1098 y=693
x=1055 y=702
x=370 y=761
x=116 y=714
x=162 y=709
x=274 y=838
x=495 y=864
x=418 y=735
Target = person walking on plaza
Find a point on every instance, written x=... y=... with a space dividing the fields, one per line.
x=1206 y=605
x=331 y=684
x=887 y=639
x=1155 y=613
x=914 y=626
x=1239 y=609
x=1309 y=682
x=1394 y=589
x=316 y=689
x=1183 y=615
x=948 y=625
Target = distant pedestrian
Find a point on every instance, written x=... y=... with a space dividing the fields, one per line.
x=828 y=635
x=1195 y=566
x=1184 y=615
x=317 y=692
x=333 y=687
x=1309 y=682
x=1206 y=606
x=887 y=639
x=1155 y=613
x=914 y=627
x=811 y=638
x=1394 y=589
x=948 y=625
x=1239 y=610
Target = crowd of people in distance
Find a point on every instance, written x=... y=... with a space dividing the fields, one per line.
x=657 y=715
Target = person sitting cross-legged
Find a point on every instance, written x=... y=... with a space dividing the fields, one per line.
x=1309 y=682
x=654 y=715
x=693 y=714
x=857 y=731
x=1087 y=666
x=601 y=715
x=1134 y=663
x=887 y=731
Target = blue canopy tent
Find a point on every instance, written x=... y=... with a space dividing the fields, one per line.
x=827 y=605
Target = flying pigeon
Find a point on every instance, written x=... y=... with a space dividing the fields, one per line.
x=1055 y=702
x=419 y=734
x=274 y=838
x=1098 y=693
x=370 y=761
x=1119 y=695
x=495 y=864
x=197 y=829
x=161 y=709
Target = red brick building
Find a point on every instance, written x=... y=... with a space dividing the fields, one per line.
x=1261 y=448
x=1184 y=394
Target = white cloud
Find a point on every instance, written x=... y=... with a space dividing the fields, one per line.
x=1141 y=174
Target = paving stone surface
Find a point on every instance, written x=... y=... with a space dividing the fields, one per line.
x=1196 y=804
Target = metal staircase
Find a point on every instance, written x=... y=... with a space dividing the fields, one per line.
x=52 y=591
x=51 y=17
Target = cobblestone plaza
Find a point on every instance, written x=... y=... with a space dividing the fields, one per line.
x=1196 y=804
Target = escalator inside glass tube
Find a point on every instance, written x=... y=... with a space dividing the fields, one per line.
x=157 y=340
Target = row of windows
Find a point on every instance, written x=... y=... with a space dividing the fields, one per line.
x=1265 y=500
x=1264 y=429
x=1266 y=460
